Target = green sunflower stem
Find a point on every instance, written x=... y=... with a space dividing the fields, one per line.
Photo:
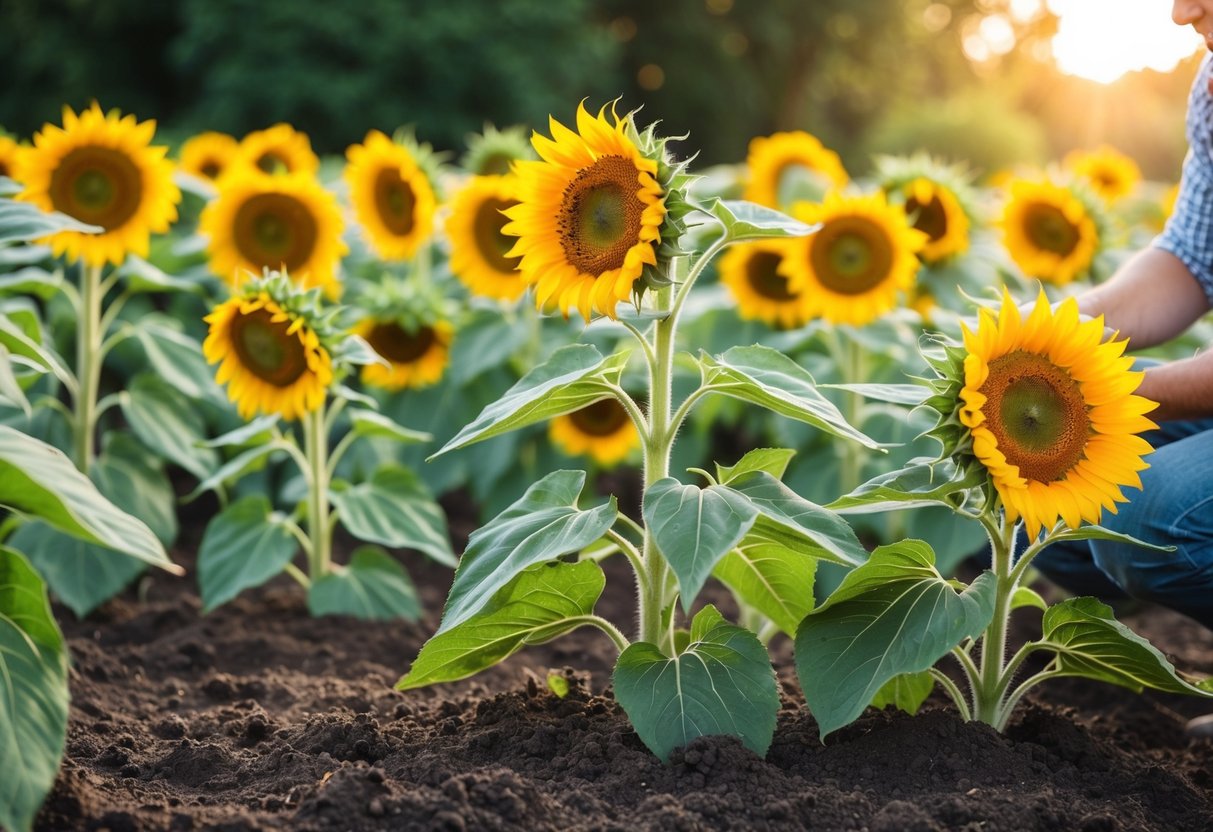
x=88 y=365
x=319 y=530
x=990 y=687
x=854 y=371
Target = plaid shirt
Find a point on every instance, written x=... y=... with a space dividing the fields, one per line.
x=1189 y=232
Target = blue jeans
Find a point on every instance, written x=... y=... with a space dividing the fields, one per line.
x=1174 y=507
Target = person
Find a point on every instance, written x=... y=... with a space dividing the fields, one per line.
x=1155 y=296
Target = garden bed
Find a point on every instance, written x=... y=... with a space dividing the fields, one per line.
x=257 y=716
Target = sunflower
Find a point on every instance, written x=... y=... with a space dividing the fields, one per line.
x=936 y=211
x=852 y=269
x=602 y=430
x=9 y=151
x=1048 y=231
x=753 y=274
x=1110 y=173
x=269 y=353
x=208 y=155
x=590 y=215
x=278 y=149
x=101 y=169
x=391 y=194
x=1051 y=413
x=772 y=158
x=478 y=248
x=417 y=355
x=285 y=222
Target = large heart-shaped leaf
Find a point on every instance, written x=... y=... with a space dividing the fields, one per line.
x=777 y=582
x=81 y=574
x=895 y=614
x=787 y=520
x=762 y=376
x=722 y=683
x=243 y=546
x=168 y=423
x=38 y=480
x=372 y=586
x=1091 y=643
x=177 y=358
x=541 y=526
x=394 y=508
x=24 y=222
x=569 y=380
x=694 y=528
x=922 y=482
x=543 y=602
x=34 y=696
x=750 y=221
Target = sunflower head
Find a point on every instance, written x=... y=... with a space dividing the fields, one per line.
x=9 y=151
x=1052 y=231
x=274 y=345
x=938 y=199
x=599 y=215
x=479 y=250
x=1044 y=407
x=754 y=275
x=392 y=194
x=409 y=328
x=286 y=222
x=602 y=430
x=784 y=168
x=1110 y=173
x=208 y=155
x=853 y=269
x=102 y=169
x=493 y=152
x=278 y=149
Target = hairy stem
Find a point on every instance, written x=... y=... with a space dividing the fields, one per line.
x=990 y=686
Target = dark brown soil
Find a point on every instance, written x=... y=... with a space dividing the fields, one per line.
x=259 y=717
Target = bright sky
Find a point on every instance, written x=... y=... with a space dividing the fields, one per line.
x=1104 y=39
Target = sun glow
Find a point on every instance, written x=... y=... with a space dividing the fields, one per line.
x=1103 y=39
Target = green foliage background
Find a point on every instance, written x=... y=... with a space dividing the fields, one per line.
x=864 y=75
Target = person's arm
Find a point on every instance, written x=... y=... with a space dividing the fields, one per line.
x=1183 y=389
x=1152 y=298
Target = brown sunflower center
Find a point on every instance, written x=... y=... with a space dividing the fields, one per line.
x=395 y=201
x=4 y=171
x=1048 y=229
x=397 y=344
x=600 y=418
x=761 y=270
x=491 y=243
x=267 y=350
x=931 y=218
x=1037 y=413
x=274 y=231
x=273 y=162
x=211 y=169
x=600 y=215
x=851 y=255
x=97 y=185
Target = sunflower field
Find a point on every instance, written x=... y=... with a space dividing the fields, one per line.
x=581 y=472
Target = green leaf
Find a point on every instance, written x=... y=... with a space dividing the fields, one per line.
x=895 y=614
x=256 y=432
x=34 y=697
x=906 y=692
x=1092 y=644
x=544 y=524
x=722 y=683
x=168 y=423
x=907 y=394
x=23 y=222
x=772 y=460
x=542 y=602
x=694 y=528
x=394 y=508
x=371 y=424
x=777 y=582
x=237 y=467
x=1025 y=596
x=558 y=684
x=354 y=349
x=81 y=574
x=372 y=586
x=177 y=358
x=486 y=341
x=11 y=392
x=569 y=380
x=243 y=546
x=760 y=375
x=142 y=276
x=32 y=280
x=1093 y=532
x=26 y=342
x=787 y=520
x=922 y=482
x=126 y=474
x=38 y=480
x=749 y=221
